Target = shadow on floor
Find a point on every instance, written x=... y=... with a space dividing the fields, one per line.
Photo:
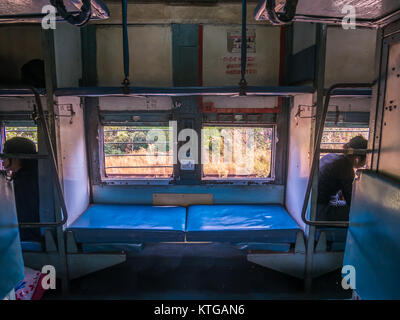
x=159 y=273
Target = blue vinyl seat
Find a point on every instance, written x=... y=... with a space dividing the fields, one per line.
x=113 y=223
x=240 y=223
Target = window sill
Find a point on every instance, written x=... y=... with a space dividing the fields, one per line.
x=142 y=182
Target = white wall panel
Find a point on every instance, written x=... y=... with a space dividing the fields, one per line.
x=221 y=67
x=150 y=52
x=73 y=156
x=299 y=157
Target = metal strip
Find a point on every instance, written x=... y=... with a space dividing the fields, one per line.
x=182 y=91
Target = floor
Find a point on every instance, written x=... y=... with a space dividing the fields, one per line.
x=196 y=272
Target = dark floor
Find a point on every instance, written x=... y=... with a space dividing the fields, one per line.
x=196 y=272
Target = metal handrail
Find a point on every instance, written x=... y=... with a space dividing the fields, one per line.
x=53 y=167
x=317 y=149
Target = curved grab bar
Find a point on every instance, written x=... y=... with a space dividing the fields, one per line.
x=340 y=224
x=281 y=18
x=77 y=20
x=53 y=168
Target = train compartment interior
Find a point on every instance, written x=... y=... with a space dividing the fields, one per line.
x=178 y=147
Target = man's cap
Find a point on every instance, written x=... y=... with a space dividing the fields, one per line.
x=18 y=145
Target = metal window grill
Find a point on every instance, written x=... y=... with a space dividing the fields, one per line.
x=129 y=153
x=263 y=161
x=336 y=137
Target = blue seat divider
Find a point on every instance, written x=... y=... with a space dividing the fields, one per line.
x=113 y=223
x=240 y=223
x=11 y=261
x=373 y=241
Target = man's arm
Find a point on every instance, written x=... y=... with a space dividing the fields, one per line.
x=347 y=189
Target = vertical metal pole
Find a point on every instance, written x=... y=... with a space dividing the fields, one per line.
x=243 y=56
x=2 y=140
x=51 y=84
x=319 y=84
x=125 y=45
x=244 y=40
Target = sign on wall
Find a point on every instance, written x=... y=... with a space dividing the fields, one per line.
x=234 y=40
x=232 y=63
x=222 y=55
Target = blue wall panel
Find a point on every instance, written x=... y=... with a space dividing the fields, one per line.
x=185 y=57
x=222 y=194
x=373 y=240
x=11 y=262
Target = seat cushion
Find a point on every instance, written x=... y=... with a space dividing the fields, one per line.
x=240 y=223
x=111 y=223
x=32 y=246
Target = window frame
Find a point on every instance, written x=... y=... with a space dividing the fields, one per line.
x=246 y=181
x=94 y=120
x=125 y=118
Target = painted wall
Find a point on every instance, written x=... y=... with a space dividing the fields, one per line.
x=150 y=55
x=16 y=104
x=221 y=66
x=299 y=157
x=242 y=102
x=303 y=36
x=135 y=103
x=18 y=45
x=73 y=155
x=67 y=47
x=222 y=194
x=390 y=143
x=350 y=104
x=350 y=55
x=163 y=13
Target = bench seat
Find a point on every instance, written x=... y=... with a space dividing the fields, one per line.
x=113 y=223
x=240 y=223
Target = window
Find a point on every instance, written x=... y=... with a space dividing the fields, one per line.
x=29 y=132
x=8 y=132
x=336 y=137
x=137 y=152
x=238 y=152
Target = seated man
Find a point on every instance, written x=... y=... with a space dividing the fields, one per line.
x=26 y=186
x=335 y=181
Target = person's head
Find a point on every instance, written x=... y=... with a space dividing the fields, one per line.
x=32 y=73
x=358 y=142
x=18 y=145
